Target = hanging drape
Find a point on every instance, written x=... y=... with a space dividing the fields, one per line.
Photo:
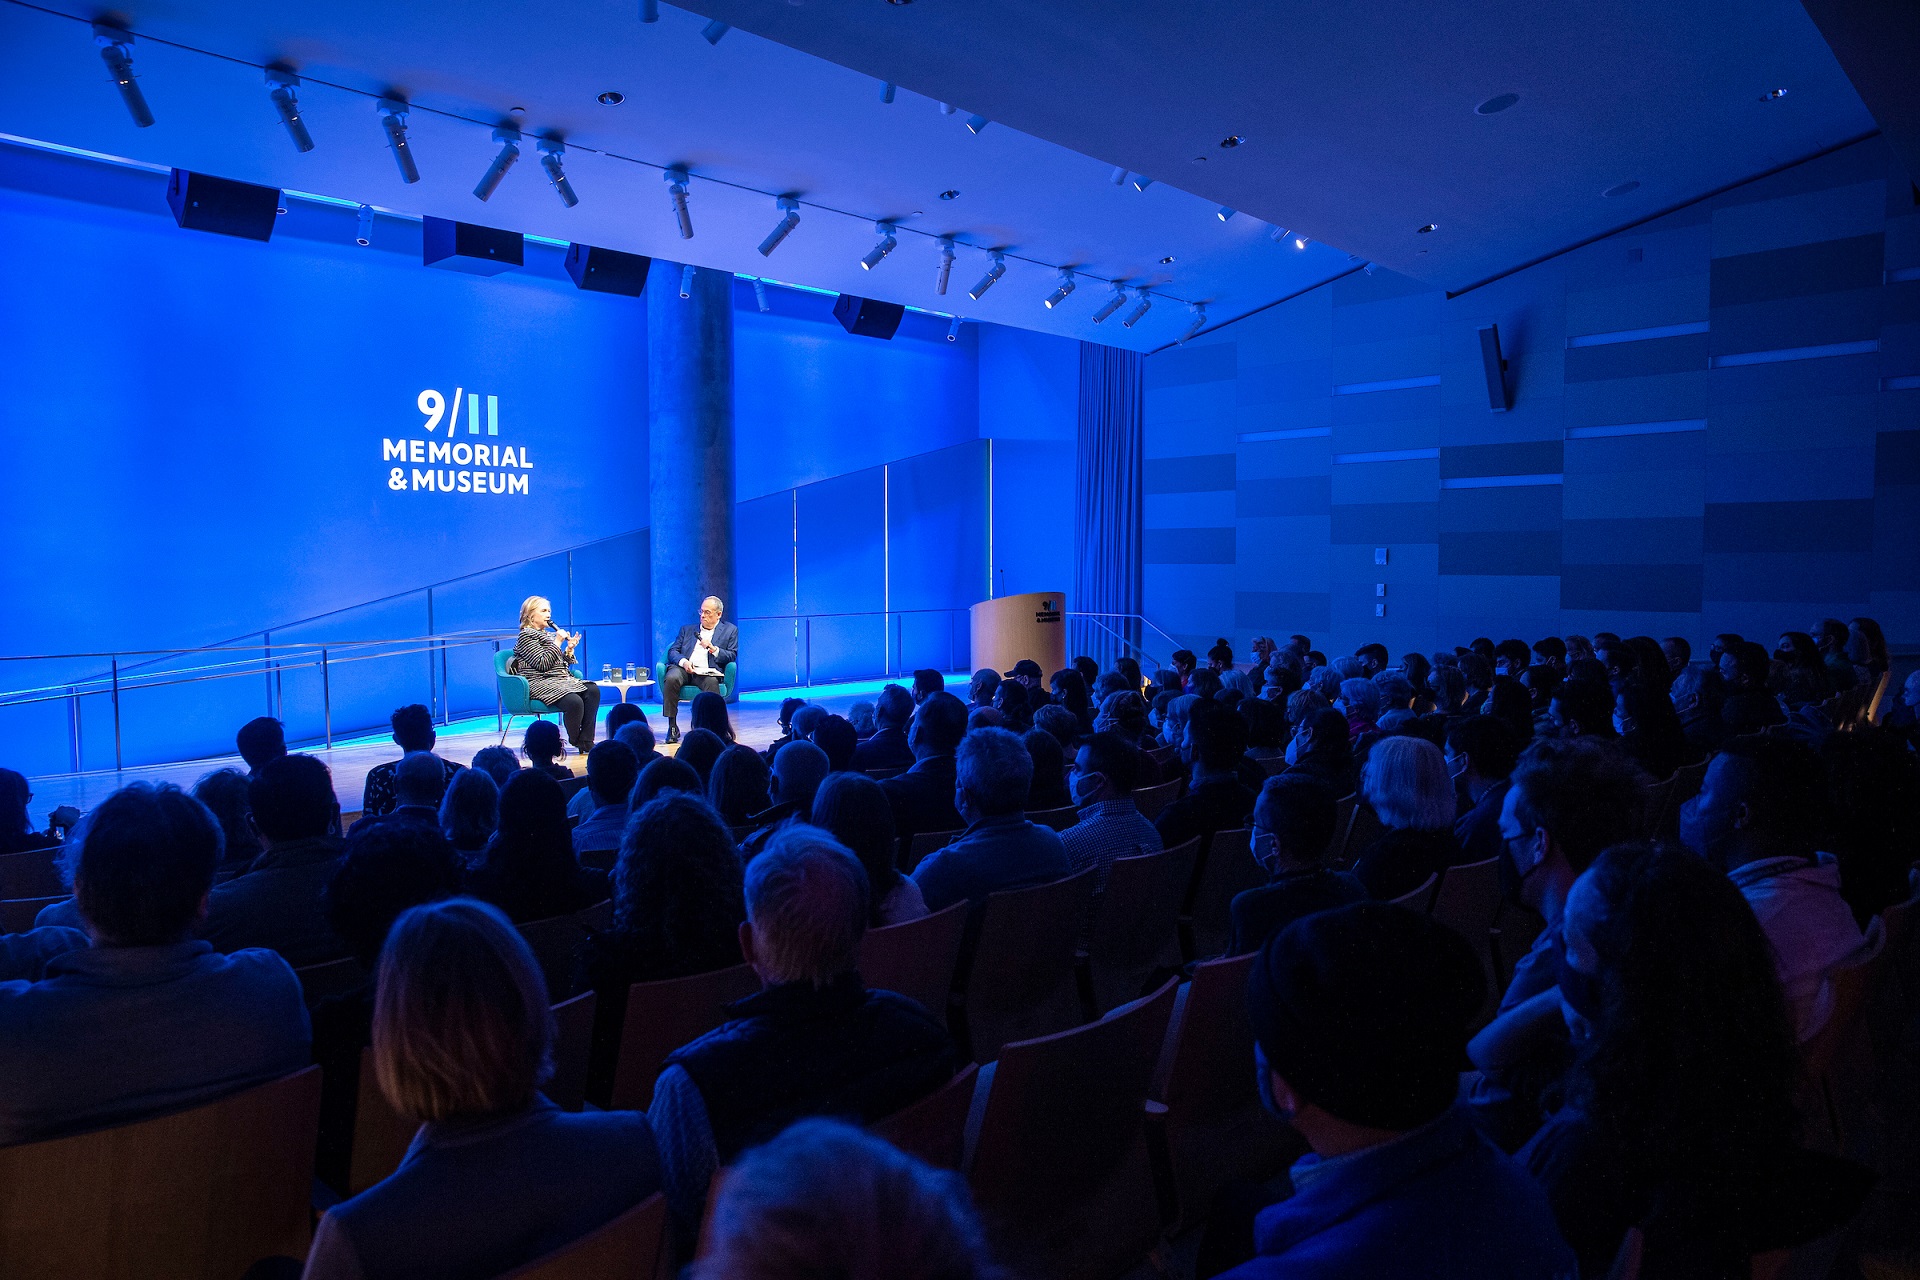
x=1107 y=505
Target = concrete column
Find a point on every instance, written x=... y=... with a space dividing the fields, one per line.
x=689 y=446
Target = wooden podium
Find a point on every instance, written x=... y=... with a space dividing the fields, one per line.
x=1025 y=626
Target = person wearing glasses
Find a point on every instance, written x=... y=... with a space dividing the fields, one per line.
x=699 y=658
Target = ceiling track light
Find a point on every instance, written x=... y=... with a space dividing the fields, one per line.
x=551 y=149
x=947 y=108
x=116 y=50
x=976 y=123
x=1223 y=213
x=509 y=140
x=760 y=295
x=281 y=86
x=946 y=266
x=878 y=253
x=363 y=234
x=953 y=330
x=1301 y=242
x=712 y=32
x=887 y=89
x=1277 y=234
x=1059 y=295
x=677 y=188
x=649 y=10
x=1141 y=182
x=789 y=219
x=994 y=272
x=393 y=120
x=1139 y=312
x=686 y=281
x=1112 y=304
x=1199 y=321
x=1119 y=176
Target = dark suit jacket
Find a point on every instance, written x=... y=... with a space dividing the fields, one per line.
x=922 y=798
x=886 y=749
x=726 y=638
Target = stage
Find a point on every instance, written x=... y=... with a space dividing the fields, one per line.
x=755 y=716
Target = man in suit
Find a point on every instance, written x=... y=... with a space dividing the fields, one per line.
x=922 y=797
x=699 y=657
x=887 y=748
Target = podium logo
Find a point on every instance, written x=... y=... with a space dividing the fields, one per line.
x=1046 y=612
x=453 y=465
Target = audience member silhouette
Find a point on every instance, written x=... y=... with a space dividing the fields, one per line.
x=260 y=739
x=664 y=774
x=737 y=787
x=276 y=902
x=710 y=713
x=923 y=796
x=1048 y=790
x=1110 y=825
x=412 y=731
x=611 y=773
x=470 y=811
x=836 y=738
x=498 y=763
x=1216 y=798
x=999 y=849
x=16 y=828
x=1322 y=749
x=887 y=748
x=853 y=809
x=1293 y=824
x=543 y=747
x=699 y=748
x=224 y=792
x=528 y=869
x=1480 y=754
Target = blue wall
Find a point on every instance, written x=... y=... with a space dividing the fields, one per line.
x=194 y=428
x=1715 y=426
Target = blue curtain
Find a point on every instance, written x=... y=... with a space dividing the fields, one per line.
x=1107 y=502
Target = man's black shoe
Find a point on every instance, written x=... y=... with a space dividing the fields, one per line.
x=673 y=734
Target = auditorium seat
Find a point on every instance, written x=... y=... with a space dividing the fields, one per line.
x=1020 y=979
x=1515 y=927
x=1058 y=819
x=572 y=1045
x=334 y=978
x=1214 y=1130
x=1227 y=869
x=555 y=939
x=1840 y=1068
x=916 y=958
x=1419 y=898
x=1357 y=834
x=197 y=1194
x=922 y=844
x=17 y=914
x=1151 y=800
x=1059 y=1165
x=881 y=775
x=1467 y=902
x=662 y=1016
x=31 y=873
x=934 y=1129
x=631 y=1247
x=515 y=697
x=729 y=680
x=1273 y=766
x=1135 y=925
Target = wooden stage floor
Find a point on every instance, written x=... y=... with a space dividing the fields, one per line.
x=756 y=718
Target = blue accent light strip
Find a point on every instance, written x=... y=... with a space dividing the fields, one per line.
x=1500 y=482
x=1637 y=429
x=1910 y=382
x=1388 y=455
x=1391 y=384
x=1297 y=433
x=1867 y=347
x=1637 y=335
x=1900 y=275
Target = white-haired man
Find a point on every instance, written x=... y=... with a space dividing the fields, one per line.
x=699 y=658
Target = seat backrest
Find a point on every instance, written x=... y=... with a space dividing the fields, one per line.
x=881 y=775
x=631 y=1247
x=662 y=1016
x=1362 y=829
x=572 y=1046
x=17 y=914
x=199 y=1193
x=1063 y=1109
x=31 y=873
x=1210 y=1069
x=381 y=1135
x=1229 y=870
x=1021 y=980
x=553 y=942
x=501 y=658
x=1272 y=766
x=924 y=843
x=598 y=917
x=1135 y=926
x=1469 y=899
x=1420 y=898
x=917 y=958
x=1058 y=819
x=1151 y=801
x=334 y=978
x=1850 y=979
x=934 y=1129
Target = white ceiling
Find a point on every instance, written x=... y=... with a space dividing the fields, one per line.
x=746 y=112
x=1358 y=117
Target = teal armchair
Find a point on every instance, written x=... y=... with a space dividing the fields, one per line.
x=727 y=679
x=515 y=699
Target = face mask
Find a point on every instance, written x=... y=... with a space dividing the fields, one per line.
x=1293 y=748
x=1457 y=768
x=1265 y=851
x=1697 y=831
x=1085 y=785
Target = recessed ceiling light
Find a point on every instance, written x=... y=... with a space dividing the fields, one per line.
x=950 y=195
x=1427 y=230
x=1164 y=261
x=899 y=1
x=1622 y=188
x=1773 y=95
x=1231 y=141
x=612 y=98
x=1199 y=159
x=516 y=111
x=1495 y=105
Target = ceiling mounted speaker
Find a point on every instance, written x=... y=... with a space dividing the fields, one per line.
x=867 y=317
x=1495 y=369
x=462 y=246
x=607 y=270
x=202 y=202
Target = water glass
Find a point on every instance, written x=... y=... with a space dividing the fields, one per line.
x=630 y=672
x=606 y=672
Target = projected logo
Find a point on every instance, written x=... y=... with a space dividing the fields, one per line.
x=452 y=464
